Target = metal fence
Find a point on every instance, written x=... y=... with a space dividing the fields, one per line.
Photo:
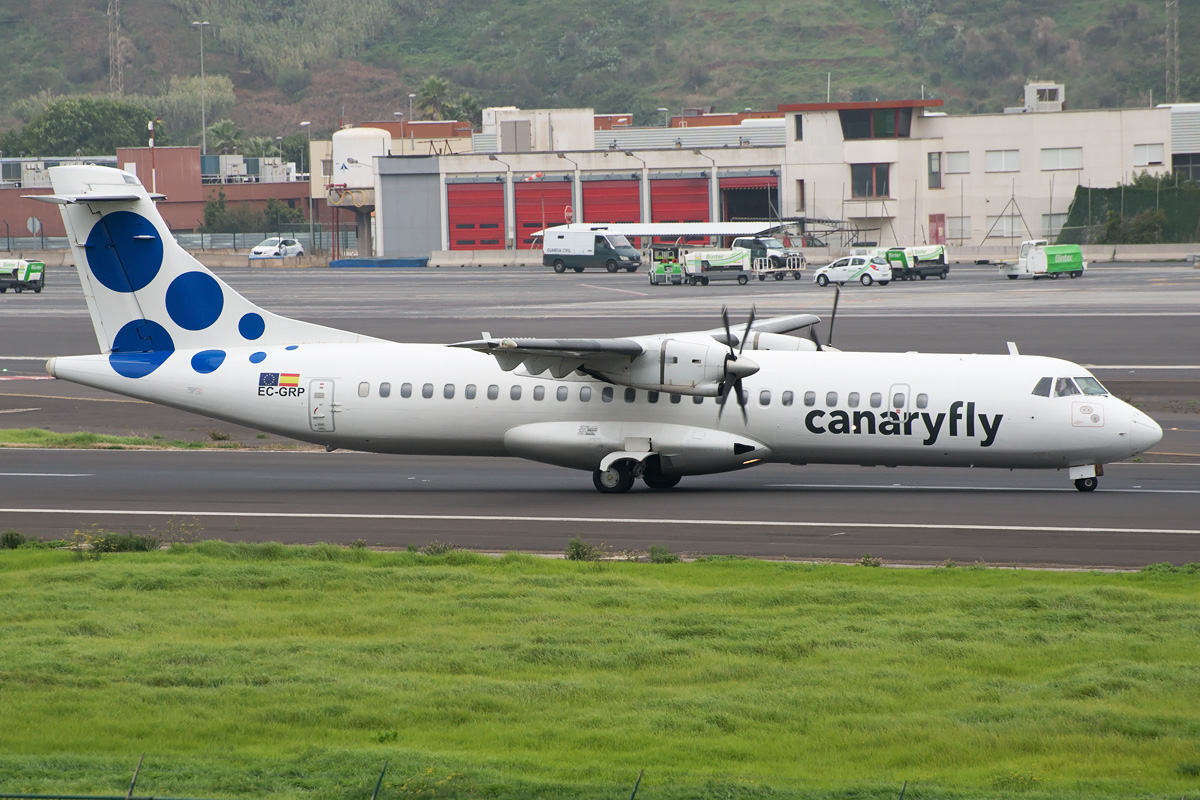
x=321 y=240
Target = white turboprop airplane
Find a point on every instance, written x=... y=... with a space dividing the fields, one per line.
x=646 y=406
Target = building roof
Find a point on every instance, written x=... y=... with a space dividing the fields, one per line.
x=867 y=105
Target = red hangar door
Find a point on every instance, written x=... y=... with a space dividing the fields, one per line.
x=540 y=203
x=475 y=213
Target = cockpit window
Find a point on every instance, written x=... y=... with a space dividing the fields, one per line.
x=1064 y=387
x=1090 y=385
x=1043 y=387
x=130 y=179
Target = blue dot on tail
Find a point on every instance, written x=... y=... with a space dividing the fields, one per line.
x=257 y=358
x=251 y=326
x=124 y=251
x=207 y=361
x=292 y=347
x=195 y=300
x=140 y=347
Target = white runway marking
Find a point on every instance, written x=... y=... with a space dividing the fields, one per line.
x=17 y=410
x=26 y=377
x=46 y=474
x=874 y=487
x=24 y=358
x=611 y=289
x=742 y=523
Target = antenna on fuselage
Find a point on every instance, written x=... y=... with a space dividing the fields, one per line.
x=812 y=329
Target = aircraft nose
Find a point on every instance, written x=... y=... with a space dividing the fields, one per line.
x=1144 y=433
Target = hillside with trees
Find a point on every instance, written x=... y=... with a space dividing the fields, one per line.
x=271 y=63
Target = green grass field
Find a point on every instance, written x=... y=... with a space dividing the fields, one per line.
x=274 y=672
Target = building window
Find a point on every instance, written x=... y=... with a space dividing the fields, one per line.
x=1187 y=165
x=877 y=123
x=869 y=180
x=1005 y=227
x=1002 y=161
x=1062 y=158
x=799 y=128
x=1147 y=155
x=385 y=389
x=958 y=228
x=1052 y=224
x=935 y=170
x=957 y=163
x=799 y=195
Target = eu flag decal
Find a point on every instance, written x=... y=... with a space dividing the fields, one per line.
x=268 y=379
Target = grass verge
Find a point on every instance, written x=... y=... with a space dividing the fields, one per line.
x=36 y=437
x=279 y=672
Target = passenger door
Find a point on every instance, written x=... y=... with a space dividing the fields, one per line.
x=320 y=405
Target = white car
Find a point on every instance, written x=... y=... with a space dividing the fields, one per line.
x=277 y=247
x=855 y=268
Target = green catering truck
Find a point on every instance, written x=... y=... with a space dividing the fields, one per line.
x=18 y=274
x=1041 y=260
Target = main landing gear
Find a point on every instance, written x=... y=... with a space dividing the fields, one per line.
x=620 y=476
x=1086 y=484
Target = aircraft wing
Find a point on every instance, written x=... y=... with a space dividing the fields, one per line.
x=560 y=357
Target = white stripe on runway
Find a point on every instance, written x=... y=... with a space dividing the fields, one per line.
x=611 y=289
x=737 y=523
x=46 y=474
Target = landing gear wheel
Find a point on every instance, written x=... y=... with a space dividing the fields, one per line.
x=559 y=266
x=822 y=280
x=654 y=477
x=743 y=280
x=611 y=265
x=1086 y=484
x=617 y=479
x=865 y=280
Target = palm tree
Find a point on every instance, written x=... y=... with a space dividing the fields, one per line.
x=433 y=96
x=226 y=137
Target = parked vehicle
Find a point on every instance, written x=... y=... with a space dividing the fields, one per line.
x=665 y=264
x=866 y=270
x=749 y=257
x=910 y=263
x=578 y=250
x=276 y=247
x=18 y=274
x=1038 y=259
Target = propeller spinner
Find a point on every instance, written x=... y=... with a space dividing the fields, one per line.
x=737 y=366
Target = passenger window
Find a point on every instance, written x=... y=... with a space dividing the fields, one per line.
x=364 y=389
x=514 y=393
x=493 y=392
x=427 y=391
x=606 y=394
x=651 y=397
x=585 y=393
x=630 y=395
x=922 y=400
x=876 y=399
x=764 y=397
x=448 y=391
x=385 y=389
x=406 y=390
x=1043 y=387
x=675 y=398
x=898 y=400
x=697 y=399
x=1064 y=387
x=1090 y=385
x=831 y=399
x=852 y=399
x=787 y=397
x=469 y=391
x=561 y=394
x=539 y=393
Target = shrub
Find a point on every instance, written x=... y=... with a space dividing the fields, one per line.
x=12 y=539
x=661 y=555
x=436 y=548
x=869 y=560
x=579 y=550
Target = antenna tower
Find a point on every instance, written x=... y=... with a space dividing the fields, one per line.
x=116 y=63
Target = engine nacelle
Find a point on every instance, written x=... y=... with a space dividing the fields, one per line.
x=676 y=366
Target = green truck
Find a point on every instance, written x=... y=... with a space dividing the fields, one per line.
x=1041 y=260
x=18 y=274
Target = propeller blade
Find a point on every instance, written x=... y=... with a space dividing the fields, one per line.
x=746 y=334
x=837 y=294
x=741 y=396
x=812 y=334
x=725 y=322
x=726 y=388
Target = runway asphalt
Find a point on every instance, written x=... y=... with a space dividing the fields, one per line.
x=1135 y=326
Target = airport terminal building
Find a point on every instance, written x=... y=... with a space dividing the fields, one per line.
x=893 y=172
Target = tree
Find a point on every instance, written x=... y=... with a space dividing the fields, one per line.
x=279 y=213
x=225 y=136
x=91 y=125
x=467 y=109
x=259 y=147
x=433 y=97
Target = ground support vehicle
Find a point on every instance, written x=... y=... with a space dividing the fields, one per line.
x=703 y=266
x=850 y=269
x=578 y=250
x=1038 y=259
x=665 y=265
x=18 y=274
x=769 y=258
x=911 y=263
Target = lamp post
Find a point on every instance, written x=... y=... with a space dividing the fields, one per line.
x=308 y=129
x=712 y=186
x=645 y=199
x=666 y=119
x=576 y=199
x=410 y=99
x=507 y=192
x=203 y=105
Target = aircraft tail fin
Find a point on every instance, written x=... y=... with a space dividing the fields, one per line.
x=147 y=296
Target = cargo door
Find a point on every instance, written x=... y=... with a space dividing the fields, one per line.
x=320 y=405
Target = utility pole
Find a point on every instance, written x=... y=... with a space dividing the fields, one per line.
x=116 y=66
